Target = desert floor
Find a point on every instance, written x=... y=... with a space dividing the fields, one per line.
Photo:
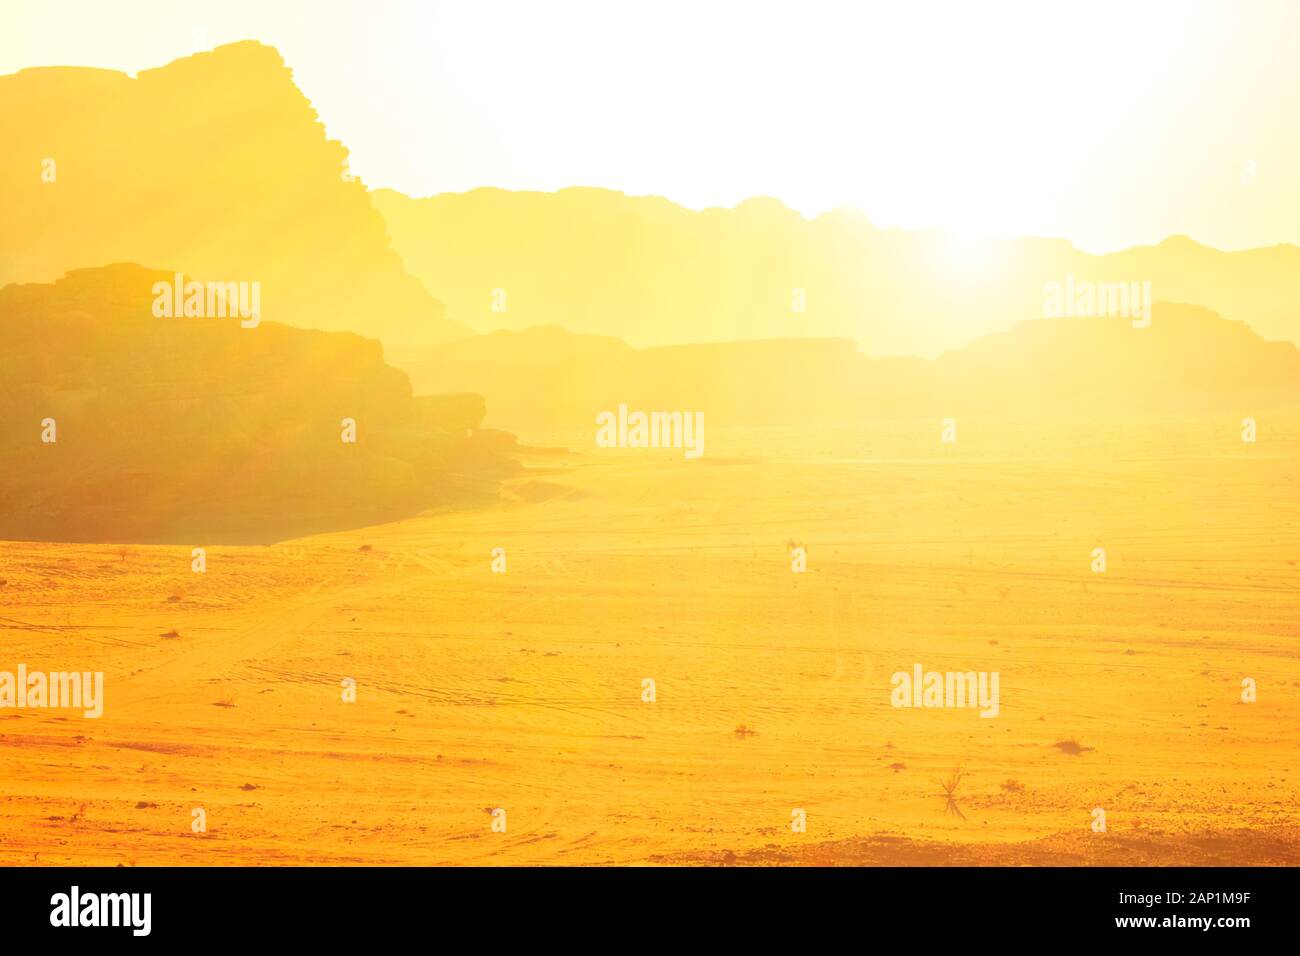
x=523 y=690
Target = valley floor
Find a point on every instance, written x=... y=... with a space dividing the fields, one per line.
x=523 y=690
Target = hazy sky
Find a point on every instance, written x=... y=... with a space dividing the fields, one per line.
x=1110 y=124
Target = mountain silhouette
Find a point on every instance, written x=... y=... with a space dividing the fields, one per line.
x=654 y=273
x=215 y=164
x=1190 y=361
x=197 y=430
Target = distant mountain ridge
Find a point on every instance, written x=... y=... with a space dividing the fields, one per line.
x=215 y=165
x=1188 y=362
x=654 y=273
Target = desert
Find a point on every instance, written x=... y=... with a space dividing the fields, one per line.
x=426 y=560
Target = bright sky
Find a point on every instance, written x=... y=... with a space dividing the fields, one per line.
x=1108 y=123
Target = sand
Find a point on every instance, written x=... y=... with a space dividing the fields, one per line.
x=523 y=690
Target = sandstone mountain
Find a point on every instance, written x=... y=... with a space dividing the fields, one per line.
x=1188 y=362
x=199 y=431
x=654 y=273
x=216 y=165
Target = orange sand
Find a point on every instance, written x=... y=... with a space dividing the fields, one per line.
x=522 y=690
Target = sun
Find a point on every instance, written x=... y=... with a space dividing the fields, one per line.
x=969 y=256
